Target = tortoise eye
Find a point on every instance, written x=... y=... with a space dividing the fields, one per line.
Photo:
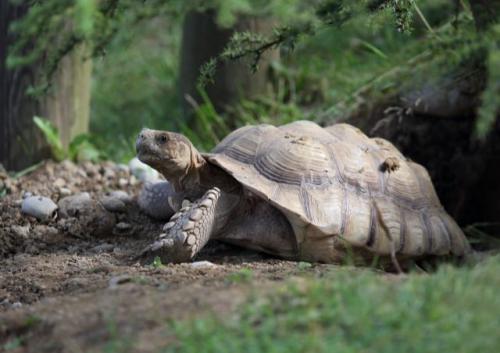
x=163 y=139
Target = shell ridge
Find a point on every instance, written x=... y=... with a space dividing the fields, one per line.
x=373 y=226
x=445 y=232
x=402 y=230
x=345 y=211
x=428 y=232
x=305 y=201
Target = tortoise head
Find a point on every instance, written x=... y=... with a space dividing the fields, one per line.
x=171 y=154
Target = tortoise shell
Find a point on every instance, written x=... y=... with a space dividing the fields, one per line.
x=336 y=183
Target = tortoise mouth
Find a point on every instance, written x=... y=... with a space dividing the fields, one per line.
x=148 y=157
x=145 y=153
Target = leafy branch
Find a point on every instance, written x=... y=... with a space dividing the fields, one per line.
x=253 y=46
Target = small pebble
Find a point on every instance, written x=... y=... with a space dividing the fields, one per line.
x=16 y=305
x=21 y=231
x=73 y=248
x=69 y=166
x=64 y=191
x=103 y=248
x=132 y=180
x=122 y=182
x=122 y=168
x=27 y=194
x=114 y=282
x=39 y=207
x=109 y=174
x=203 y=265
x=123 y=227
x=59 y=183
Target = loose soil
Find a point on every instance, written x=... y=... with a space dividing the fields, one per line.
x=72 y=285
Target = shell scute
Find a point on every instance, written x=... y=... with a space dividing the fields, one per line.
x=332 y=182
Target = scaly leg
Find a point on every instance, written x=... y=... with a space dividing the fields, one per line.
x=187 y=232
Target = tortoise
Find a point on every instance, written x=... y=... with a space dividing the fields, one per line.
x=298 y=191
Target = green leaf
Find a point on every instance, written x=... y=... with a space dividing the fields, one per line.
x=81 y=148
x=52 y=137
x=84 y=14
x=373 y=49
x=157 y=262
x=88 y=152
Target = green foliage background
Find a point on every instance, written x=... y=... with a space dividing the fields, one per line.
x=331 y=51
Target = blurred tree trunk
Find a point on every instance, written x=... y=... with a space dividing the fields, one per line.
x=203 y=39
x=66 y=105
x=485 y=12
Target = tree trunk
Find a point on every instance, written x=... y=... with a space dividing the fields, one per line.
x=66 y=105
x=203 y=39
x=485 y=12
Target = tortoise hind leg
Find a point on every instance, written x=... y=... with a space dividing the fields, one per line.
x=187 y=232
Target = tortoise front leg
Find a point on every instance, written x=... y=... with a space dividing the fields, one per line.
x=188 y=230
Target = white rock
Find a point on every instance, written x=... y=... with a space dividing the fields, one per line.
x=59 y=182
x=64 y=191
x=39 y=207
x=203 y=265
x=16 y=305
x=142 y=171
x=123 y=227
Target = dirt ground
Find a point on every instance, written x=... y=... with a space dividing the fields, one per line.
x=72 y=284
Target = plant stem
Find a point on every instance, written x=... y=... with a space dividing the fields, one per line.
x=422 y=17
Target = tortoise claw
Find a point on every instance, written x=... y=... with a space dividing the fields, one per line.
x=187 y=231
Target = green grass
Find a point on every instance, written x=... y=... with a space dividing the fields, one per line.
x=452 y=310
x=244 y=275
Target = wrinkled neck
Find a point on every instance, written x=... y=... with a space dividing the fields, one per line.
x=190 y=179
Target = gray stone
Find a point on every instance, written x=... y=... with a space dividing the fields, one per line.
x=75 y=204
x=39 y=207
x=113 y=204
x=115 y=281
x=153 y=200
x=103 y=248
x=121 y=195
